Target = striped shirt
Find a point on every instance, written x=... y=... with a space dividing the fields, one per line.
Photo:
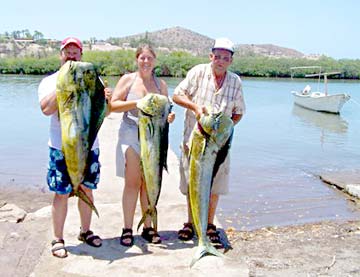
x=199 y=86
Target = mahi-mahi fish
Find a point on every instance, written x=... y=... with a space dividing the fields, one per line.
x=82 y=109
x=210 y=136
x=153 y=136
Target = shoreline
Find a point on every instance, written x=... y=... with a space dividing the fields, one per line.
x=271 y=251
x=28 y=198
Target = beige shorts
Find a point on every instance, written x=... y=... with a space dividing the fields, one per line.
x=221 y=180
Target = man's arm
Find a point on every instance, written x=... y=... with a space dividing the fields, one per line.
x=183 y=100
x=49 y=104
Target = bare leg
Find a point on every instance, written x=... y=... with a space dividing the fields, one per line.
x=132 y=186
x=59 y=212
x=144 y=204
x=86 y=213
x=185 y=153
x=187 y=232
x=149 y=234
x=214 y=199
x=211 y=232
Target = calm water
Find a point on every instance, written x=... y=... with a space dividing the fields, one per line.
x=277 y=152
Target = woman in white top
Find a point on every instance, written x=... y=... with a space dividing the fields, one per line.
x=129 y=89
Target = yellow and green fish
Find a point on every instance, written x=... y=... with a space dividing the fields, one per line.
x=153 y=136
x=82 y=109
x=209 y=144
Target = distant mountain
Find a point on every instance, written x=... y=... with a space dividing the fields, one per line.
x=166 y=40
x=269 y=50
x=178 y=38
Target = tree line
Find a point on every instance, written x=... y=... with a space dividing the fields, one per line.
x=22 y=34
x=177 y=64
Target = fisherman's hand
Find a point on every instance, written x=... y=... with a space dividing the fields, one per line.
x=200 y=111
x=171 y=117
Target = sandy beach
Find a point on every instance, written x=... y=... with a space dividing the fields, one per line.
x=319 y=249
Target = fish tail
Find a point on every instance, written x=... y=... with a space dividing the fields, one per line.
x=142 y=220
x=203 y=250
x=83 y=196
x=152 y=212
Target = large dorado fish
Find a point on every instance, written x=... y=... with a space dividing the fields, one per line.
x=82 y=109
x=153 y=135
x=209 y=145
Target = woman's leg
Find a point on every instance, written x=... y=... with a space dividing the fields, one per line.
x=132 y=186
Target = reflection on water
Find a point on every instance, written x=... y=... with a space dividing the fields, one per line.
x=324 y=121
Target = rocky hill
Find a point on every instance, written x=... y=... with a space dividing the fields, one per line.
x=173 y=39
x=269 y=50
x=178 y=38
x=167 y=40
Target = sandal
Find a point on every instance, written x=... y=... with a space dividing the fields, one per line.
x=89 y=238
x=54 y=248
x=213 y=234
x=127 y=235
x=151 y=235
x=187 y=232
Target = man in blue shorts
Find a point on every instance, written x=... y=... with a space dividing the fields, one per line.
x=57 y=176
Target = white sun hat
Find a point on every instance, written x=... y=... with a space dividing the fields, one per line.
x=225 y=44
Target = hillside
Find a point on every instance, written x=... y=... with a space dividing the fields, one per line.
x=166 y=40
x=22 y=48
x=269 y=50
x=178 y=38
x=173 y=39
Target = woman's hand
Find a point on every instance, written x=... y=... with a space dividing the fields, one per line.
x=171 y=117
x=108 y=93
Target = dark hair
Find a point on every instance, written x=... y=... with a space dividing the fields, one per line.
x=144 y=47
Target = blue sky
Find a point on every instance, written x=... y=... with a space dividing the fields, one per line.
x=327 y=27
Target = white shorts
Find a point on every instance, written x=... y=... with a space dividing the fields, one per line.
x=127 y=137
x=221 y=181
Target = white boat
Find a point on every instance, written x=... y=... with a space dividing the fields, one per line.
x=319 y=101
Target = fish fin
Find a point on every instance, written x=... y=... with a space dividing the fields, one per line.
x=69 y=99
x=164 y=146
x=82 y=195
x=221 y=156
x=203 y=250
x=98 y=109
x=152 y=212
x=142 y=220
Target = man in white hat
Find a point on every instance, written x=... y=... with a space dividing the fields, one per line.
x=209 y=85
x=57 y=177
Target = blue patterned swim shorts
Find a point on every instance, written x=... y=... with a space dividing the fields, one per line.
x=58 y=178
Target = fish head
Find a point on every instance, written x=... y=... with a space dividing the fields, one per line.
x=75 y=76
x=217 y=126
x=210 y=122
x=154 y=104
